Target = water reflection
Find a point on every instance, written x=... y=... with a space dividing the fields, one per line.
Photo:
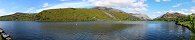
x=92 y=31
x=124 y=30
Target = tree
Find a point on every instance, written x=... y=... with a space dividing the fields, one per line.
x=192 y=23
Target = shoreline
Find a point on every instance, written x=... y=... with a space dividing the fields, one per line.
x=4 y=36
x=181 y=24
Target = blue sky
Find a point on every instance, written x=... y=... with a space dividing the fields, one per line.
x=153 y=8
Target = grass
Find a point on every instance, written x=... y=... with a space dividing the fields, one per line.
x=187 y=23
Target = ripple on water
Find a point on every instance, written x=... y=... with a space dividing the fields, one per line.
x=126 y=30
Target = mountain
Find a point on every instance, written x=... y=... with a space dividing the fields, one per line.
x=170 y=16
x=81 y=14
x=107 y=9
x=130 y=15
x=18 y=17
x=72 y=14
x=142 y=16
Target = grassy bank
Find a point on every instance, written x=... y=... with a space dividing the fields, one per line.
x=188 y=25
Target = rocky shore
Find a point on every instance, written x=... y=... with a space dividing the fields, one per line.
x=4 y=36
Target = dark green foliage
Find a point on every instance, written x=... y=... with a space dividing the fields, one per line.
x=192 y=23
x=188 y=22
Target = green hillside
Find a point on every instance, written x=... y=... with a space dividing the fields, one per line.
x=18 y=17
x=80 y=14
x=70 y=14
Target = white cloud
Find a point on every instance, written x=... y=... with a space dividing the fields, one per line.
x=180 y=4
x=67 y=5
x=187 y=11
x=182 y=11
x=138 y=10
x=162 y=0
x=45 y=5
x=192 y=10
x=159 y=12
x=193 y=0
x=3 y=12
x=166 y=0
x=177 y=5
x=29 y=10
x=135 y=6
x=157 y=0
x=125 y=3
x=63 y=0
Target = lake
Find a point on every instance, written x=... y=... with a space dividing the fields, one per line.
x=97 y=30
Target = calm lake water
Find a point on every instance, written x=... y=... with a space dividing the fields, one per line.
x=99 y=30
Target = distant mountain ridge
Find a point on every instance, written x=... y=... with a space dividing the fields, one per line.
x=18 y=16
x=170 y=16
x=138 y=16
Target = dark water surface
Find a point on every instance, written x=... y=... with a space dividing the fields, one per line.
x=124 y=30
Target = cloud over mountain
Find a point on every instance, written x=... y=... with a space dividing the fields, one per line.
x=131 y=5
